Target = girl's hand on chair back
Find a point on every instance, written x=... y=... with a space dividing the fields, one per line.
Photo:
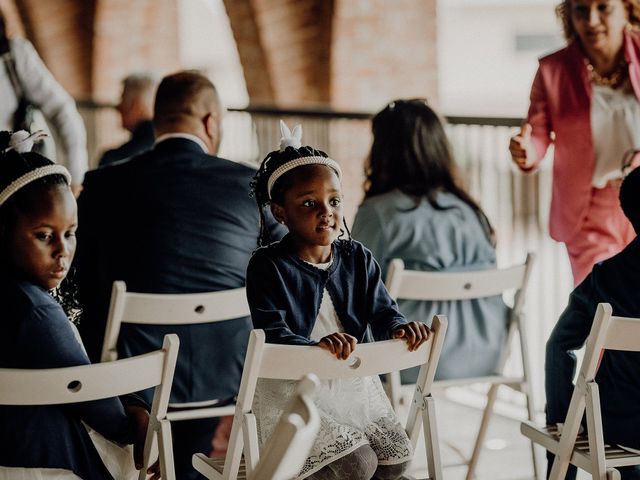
x=414 y=333
x=339 y=344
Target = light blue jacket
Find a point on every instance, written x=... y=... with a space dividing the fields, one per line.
x=395 y=225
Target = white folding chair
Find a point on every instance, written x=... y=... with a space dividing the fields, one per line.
x=289 y=362
x=589 y=452
x=173 y=309
x=288 y=447
x=445 y=286
x=54 y=386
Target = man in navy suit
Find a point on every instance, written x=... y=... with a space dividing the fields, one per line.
x=175 y=219
x=613 y=281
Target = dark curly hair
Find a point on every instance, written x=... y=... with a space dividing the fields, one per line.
x=411 y=153
x=13 y=165
x=259 y=186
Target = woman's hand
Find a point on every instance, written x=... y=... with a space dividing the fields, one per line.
x=521 y=148
x=140 y=418
x=339 y=344
x=414 y=333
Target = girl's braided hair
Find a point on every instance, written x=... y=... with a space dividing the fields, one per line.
x=14 y=163
x=289 y=152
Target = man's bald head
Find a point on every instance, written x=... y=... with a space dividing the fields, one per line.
x=188 y=102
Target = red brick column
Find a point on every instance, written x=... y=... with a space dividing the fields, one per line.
x=285 y=49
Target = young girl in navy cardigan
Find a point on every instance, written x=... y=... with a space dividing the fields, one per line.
x=37 y=242
x=315 y=287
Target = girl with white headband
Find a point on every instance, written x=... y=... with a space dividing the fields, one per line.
x=314 y=288
x=38 y=221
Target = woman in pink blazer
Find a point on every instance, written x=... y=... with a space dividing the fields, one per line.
x=585 y=100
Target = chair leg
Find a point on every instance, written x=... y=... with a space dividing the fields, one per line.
x=166 y=451
x=150 y=448
x=432 y=445
x=538 y=473
x=613 y=474
x=482 y=432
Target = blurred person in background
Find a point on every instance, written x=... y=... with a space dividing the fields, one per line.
x=24 y=79
x=584 y=101
x=136 y=113
x=416 y=209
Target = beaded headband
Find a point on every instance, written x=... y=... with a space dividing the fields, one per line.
x=294 y=140
x=29 y=177
x=22 y=142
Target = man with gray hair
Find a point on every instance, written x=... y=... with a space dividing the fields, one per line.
x=136 y=112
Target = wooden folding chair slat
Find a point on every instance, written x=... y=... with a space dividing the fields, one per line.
x=453 y=285
x=589 y=452
x=287 y=362
x=55 y=386
x=450 y=286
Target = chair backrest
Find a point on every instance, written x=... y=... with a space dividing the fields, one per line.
x=288 y=447
x=289 y=362
x=607 y=333
x=421 y=285
x=442 y=286
x=53 y=386
x=168 y=309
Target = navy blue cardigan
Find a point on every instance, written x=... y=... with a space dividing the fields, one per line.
x=35 y=333
x=285 y=293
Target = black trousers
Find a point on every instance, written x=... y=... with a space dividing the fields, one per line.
x=189 y=437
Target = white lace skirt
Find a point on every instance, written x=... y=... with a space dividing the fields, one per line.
x=352 y=413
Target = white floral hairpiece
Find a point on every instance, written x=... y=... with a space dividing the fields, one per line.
x=23 y=141
x=293 y=138
x=290 y=138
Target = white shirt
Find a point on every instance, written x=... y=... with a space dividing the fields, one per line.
x=54 y=102
x=187 y=136
x=615 y=128
x=327 y=321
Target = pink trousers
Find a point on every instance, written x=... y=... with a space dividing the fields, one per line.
x=604 y=232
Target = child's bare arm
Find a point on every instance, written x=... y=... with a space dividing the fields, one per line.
x=339 y=344
x=414 y=333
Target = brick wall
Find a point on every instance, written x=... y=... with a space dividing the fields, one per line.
x=383 y=50
x=285 y=48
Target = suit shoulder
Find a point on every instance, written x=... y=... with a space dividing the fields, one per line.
x=242 y=168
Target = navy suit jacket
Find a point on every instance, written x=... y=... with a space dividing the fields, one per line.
x=614 y=281
x=141 y=140
x=171 y=220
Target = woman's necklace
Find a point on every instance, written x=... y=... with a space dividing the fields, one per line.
x=614 y=80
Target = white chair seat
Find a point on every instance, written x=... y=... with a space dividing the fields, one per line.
x=549 y=438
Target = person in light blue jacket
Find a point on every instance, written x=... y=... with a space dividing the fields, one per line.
x=415 y=209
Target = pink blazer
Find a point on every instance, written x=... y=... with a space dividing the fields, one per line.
x=561 y=109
